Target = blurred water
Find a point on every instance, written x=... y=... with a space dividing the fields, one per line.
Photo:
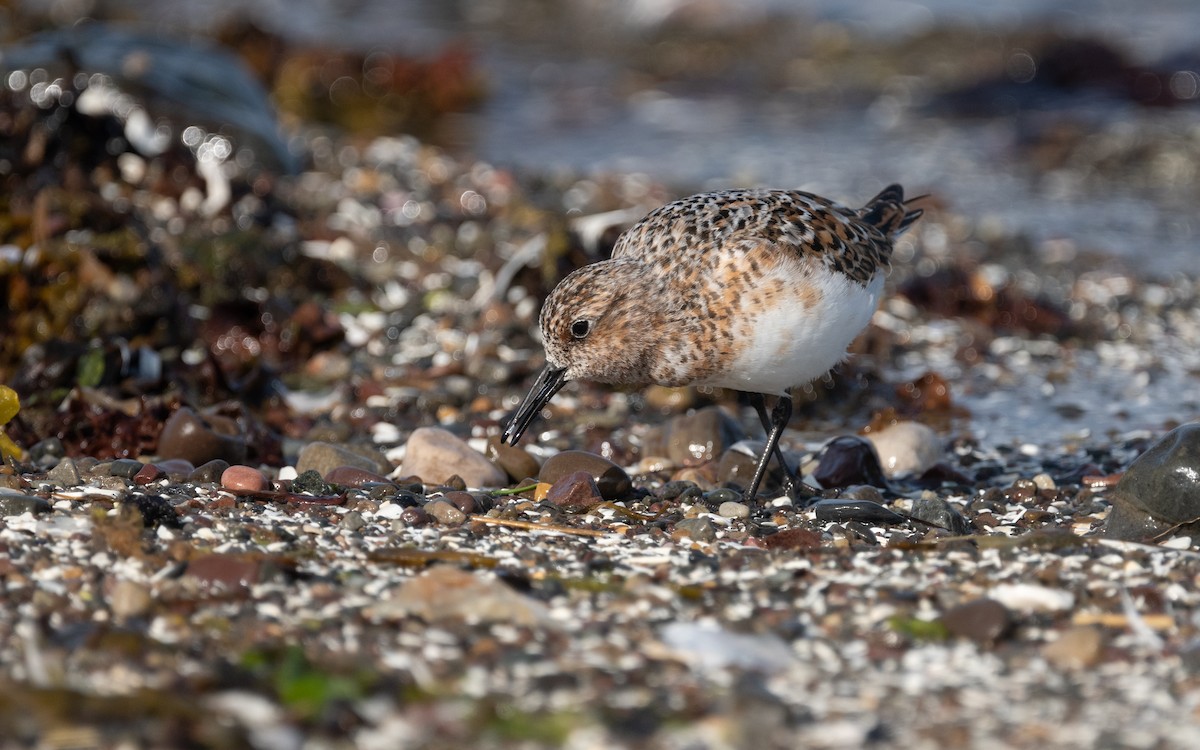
x=560 y=98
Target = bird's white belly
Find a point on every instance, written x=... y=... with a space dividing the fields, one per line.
x=804 y=335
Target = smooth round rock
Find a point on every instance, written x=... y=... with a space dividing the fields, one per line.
x=324 y=457
x=435 y=455
x=176 y=469
x=731 y=509
x=352 y=476
x=906 y=448
x=444 y=511
x=700 y=529
x=1160 y=490
x=611 y=480
x=866 y=511
x=1075 y=648
x=513 y=461
x=196 y=439
x=239 y=478
x=695 y=438
x=984 y=621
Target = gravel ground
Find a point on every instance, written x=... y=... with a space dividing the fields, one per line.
x=259 y=500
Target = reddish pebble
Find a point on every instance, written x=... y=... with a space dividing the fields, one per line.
x=243 y=478
x=147 y=474
x=576 y=491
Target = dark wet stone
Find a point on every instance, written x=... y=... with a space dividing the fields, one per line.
x=176 y=469
x=611 y=480
x=14 y=503
x=414 y=516
x=934 y=510
x=717 y=497
x=193 y=438
x=695 y=438
x=793 y=539
x=65 y=474
x=408 y=499
x=464 y=501
x=125 y=468
x=984 y=621
x=209 y=471
x=156 y=510
x=352 y=476
x=1160 y=490
x=325 y=457
x=701 y=529
x=848 y=460
x=310 y=482
x=575 y=491
x=835 y=509
x=444 y=511
x=513 y=461
x=676 y=487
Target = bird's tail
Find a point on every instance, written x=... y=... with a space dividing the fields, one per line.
x=889 y=212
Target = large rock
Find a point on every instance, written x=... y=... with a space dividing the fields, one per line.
x=435 y=455
x=325 y=457
x=1160 y=490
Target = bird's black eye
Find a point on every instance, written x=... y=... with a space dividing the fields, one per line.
x=581 y=328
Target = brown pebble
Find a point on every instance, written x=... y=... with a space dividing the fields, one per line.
x=461 y=500
x=611 y=480
x=147 y=474
x=793 y=539
x=353 y=476
x=515 y=462
x=1075 y=648
x=576 y=491
x=984 y=621
x=176 y=469
x=193 y=438
x=414 y=517
x=229 y=570
x=243 y=479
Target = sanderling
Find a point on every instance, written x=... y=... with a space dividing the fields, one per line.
x=755 y=290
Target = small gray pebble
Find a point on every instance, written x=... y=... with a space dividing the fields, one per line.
x=353 y=521
x=65 y=474
x=701 y=529
x=126 y=468
x=730 y=509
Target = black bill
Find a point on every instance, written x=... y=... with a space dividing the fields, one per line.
x=544 y=388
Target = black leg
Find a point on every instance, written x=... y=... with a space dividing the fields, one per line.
x=779 y=419
x=796 y=488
